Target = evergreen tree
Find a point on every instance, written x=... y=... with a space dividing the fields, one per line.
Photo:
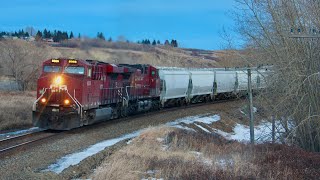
x=158 y=42
x=45 y=33
x=154 y=42
x=110 y=39
x=100 y=36
x=38 y=36
x=174 y=43
x=79 y=36
x=20 y=33
x=54 y=35
x=2 y=34
x=166 y=43
x=57 y=36
x=64 y=36
x=71 y=35
x=49 y=35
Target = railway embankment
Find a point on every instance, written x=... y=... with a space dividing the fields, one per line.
x=32 y=161
x=195 y=143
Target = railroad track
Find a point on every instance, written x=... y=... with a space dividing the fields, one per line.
x=19 y=142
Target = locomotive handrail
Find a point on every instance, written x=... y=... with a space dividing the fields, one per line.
x=35 y=103
x=113 y=88
x=127 y=91
x=76 y=101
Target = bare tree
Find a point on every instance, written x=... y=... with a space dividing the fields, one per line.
x=294 y=90
x=21 y=60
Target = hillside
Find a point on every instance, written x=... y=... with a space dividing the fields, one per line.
x=115 y=52
x=21 y=60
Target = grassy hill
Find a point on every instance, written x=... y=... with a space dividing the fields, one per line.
x=21 y=60
x=113 y=52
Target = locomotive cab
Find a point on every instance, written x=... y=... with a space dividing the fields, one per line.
x=59 y=93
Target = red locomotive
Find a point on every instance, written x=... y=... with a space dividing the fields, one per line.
x=72 y=93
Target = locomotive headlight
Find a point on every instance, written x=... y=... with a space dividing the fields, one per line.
x=43 y=100
x=66 y=102
x=58 y=80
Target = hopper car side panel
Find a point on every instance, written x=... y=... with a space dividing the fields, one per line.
x=175 y=84
x=202 y=82
x=226 y=81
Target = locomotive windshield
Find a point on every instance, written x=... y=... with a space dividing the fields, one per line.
x=74 y=70
x=50 y=69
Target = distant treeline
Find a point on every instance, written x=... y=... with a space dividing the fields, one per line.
x=55 y=35
x=19 y=34
x=59 y=36
x=173 y=43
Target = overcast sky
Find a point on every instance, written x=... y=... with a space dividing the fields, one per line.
x=194 y=23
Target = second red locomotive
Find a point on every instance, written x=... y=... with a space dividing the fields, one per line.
x=72 y=93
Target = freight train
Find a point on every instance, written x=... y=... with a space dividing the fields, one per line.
x=72 y=93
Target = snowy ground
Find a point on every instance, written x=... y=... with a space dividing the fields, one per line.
x=20 y=132
x=241 y=133
x=75 y=158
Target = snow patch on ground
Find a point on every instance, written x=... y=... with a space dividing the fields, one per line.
x=223 y=163
x=204 y=129
x=182 y=127
x=20 y=132
x=129 y=142
x=75 y=158
x=262 y=133
x=255 y=110
x=151 y=173
x=164 y=147
x=201 y=158
x=240 y=133
x=196 y=153
x=205 y=118
x=201 y=118
x=160 y=139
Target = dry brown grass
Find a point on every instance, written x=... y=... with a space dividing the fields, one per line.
x=158 y=57
x=171 y=153
x=16 y=108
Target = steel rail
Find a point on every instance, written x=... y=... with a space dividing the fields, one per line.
x=14 y=142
